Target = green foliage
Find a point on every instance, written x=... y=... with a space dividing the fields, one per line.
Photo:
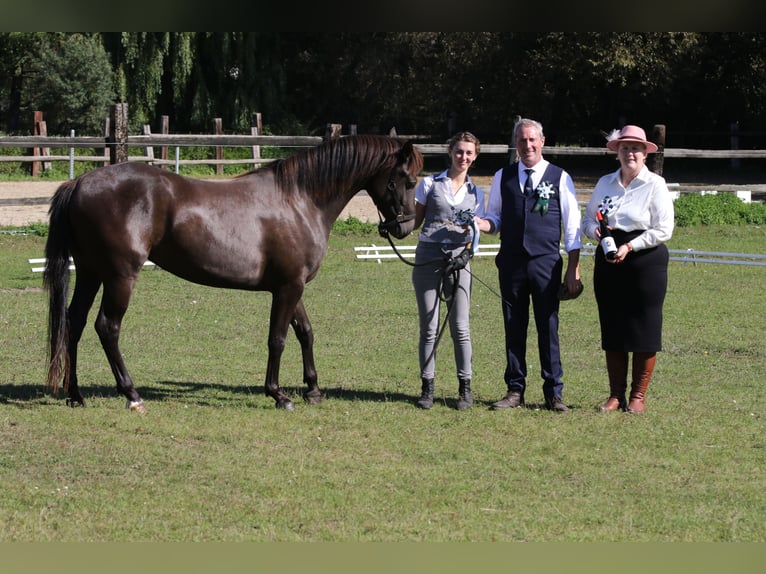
x=353 y=226
x=11 y=169
x=719 y=209
x=419 y=82
x=230 y=153
x=73 y=85
x=39 y=229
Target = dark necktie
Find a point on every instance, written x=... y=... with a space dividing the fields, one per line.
x=528 y=192
x=528 y=189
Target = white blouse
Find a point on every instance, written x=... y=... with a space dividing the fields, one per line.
x=645 y=204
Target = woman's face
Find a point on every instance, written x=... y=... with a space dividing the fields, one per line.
x=463 y=155
x=632 y=155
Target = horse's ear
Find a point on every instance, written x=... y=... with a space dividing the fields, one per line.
x=407 y=150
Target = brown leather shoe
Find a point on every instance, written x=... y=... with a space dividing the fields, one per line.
x=613 y=404
x=556 y=404
x=511 y=400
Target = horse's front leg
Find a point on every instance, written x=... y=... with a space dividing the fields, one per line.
x=305 y=334
x=283 y=307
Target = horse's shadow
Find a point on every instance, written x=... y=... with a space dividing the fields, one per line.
x=26 y=394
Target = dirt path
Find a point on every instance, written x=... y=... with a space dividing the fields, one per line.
x=26 y=202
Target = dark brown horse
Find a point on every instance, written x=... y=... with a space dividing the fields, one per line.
x=266 y=230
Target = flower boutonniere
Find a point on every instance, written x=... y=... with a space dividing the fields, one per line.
x=544 y=191
x=606 y=206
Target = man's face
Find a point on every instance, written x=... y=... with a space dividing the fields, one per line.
x=529 y=146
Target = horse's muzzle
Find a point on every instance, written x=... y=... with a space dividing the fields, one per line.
x=400 y=227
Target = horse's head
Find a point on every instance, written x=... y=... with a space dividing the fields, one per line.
x=395 y=197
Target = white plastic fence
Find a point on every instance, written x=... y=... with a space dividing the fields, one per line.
x=41 y=260
x=381 y=252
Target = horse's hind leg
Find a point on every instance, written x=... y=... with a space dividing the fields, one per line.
x=114 y=304
x=86 y=287
x=305 y=334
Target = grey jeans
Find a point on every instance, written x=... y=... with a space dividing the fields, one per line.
x=427 y=281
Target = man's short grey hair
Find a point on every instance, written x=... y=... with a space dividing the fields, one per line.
x=527 y=123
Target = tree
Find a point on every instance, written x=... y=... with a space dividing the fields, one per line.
x=152 y=71
x=72 y=84
x=235 y=74
x=577 y=84
x=19 y=50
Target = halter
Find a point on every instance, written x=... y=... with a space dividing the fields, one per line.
x=384 y=226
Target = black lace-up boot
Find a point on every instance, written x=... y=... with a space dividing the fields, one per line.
x=426 y=400
x=464 y=401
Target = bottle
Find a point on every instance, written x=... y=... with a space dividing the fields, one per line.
x=607 y=241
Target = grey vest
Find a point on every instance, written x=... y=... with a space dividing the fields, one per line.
x=439 y=224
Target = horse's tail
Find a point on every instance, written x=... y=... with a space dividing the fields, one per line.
x=56 y=281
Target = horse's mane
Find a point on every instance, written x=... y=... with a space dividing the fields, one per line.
x=318 y=170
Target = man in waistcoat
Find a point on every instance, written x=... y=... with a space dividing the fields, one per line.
x=529 y=205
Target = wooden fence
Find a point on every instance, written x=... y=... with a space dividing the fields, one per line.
x=115 y=145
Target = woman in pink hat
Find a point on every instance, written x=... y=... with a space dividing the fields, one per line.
x=630 y=288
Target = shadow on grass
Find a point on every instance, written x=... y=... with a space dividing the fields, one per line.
x=211 y=394
x=206 y=394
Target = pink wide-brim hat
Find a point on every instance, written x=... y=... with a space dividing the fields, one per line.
x=631 y=134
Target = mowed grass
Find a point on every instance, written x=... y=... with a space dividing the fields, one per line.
x=213 y=460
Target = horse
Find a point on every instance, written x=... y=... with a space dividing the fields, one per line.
x=264 y=230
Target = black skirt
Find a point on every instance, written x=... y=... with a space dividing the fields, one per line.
x=630 y=296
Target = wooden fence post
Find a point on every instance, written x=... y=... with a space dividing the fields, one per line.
x=118 y=133
x=165 y=130
x=658 y=158
x=332 y=131
x=734 y=140
x=513 y=155
x=107 y=131
x=256 y=129
x=218 y=130
x=36 y=150
x=149 y=152
x=40 y=129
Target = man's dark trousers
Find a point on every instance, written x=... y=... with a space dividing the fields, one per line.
x=522 y=277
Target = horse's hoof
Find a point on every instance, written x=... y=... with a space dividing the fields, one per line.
x=285 y=404
x=314 y=398
x=136 y=406
x=74 y=403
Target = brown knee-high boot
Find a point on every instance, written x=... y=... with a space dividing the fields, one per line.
x=643 y=366
x=617 y=369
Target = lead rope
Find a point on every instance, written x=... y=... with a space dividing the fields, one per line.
x=449 y=301
x=465 y=216
x=471 y=247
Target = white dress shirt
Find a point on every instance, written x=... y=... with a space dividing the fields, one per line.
x=570 y=210
x=645 y=204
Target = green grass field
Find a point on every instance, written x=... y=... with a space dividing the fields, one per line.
x=213 y=460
